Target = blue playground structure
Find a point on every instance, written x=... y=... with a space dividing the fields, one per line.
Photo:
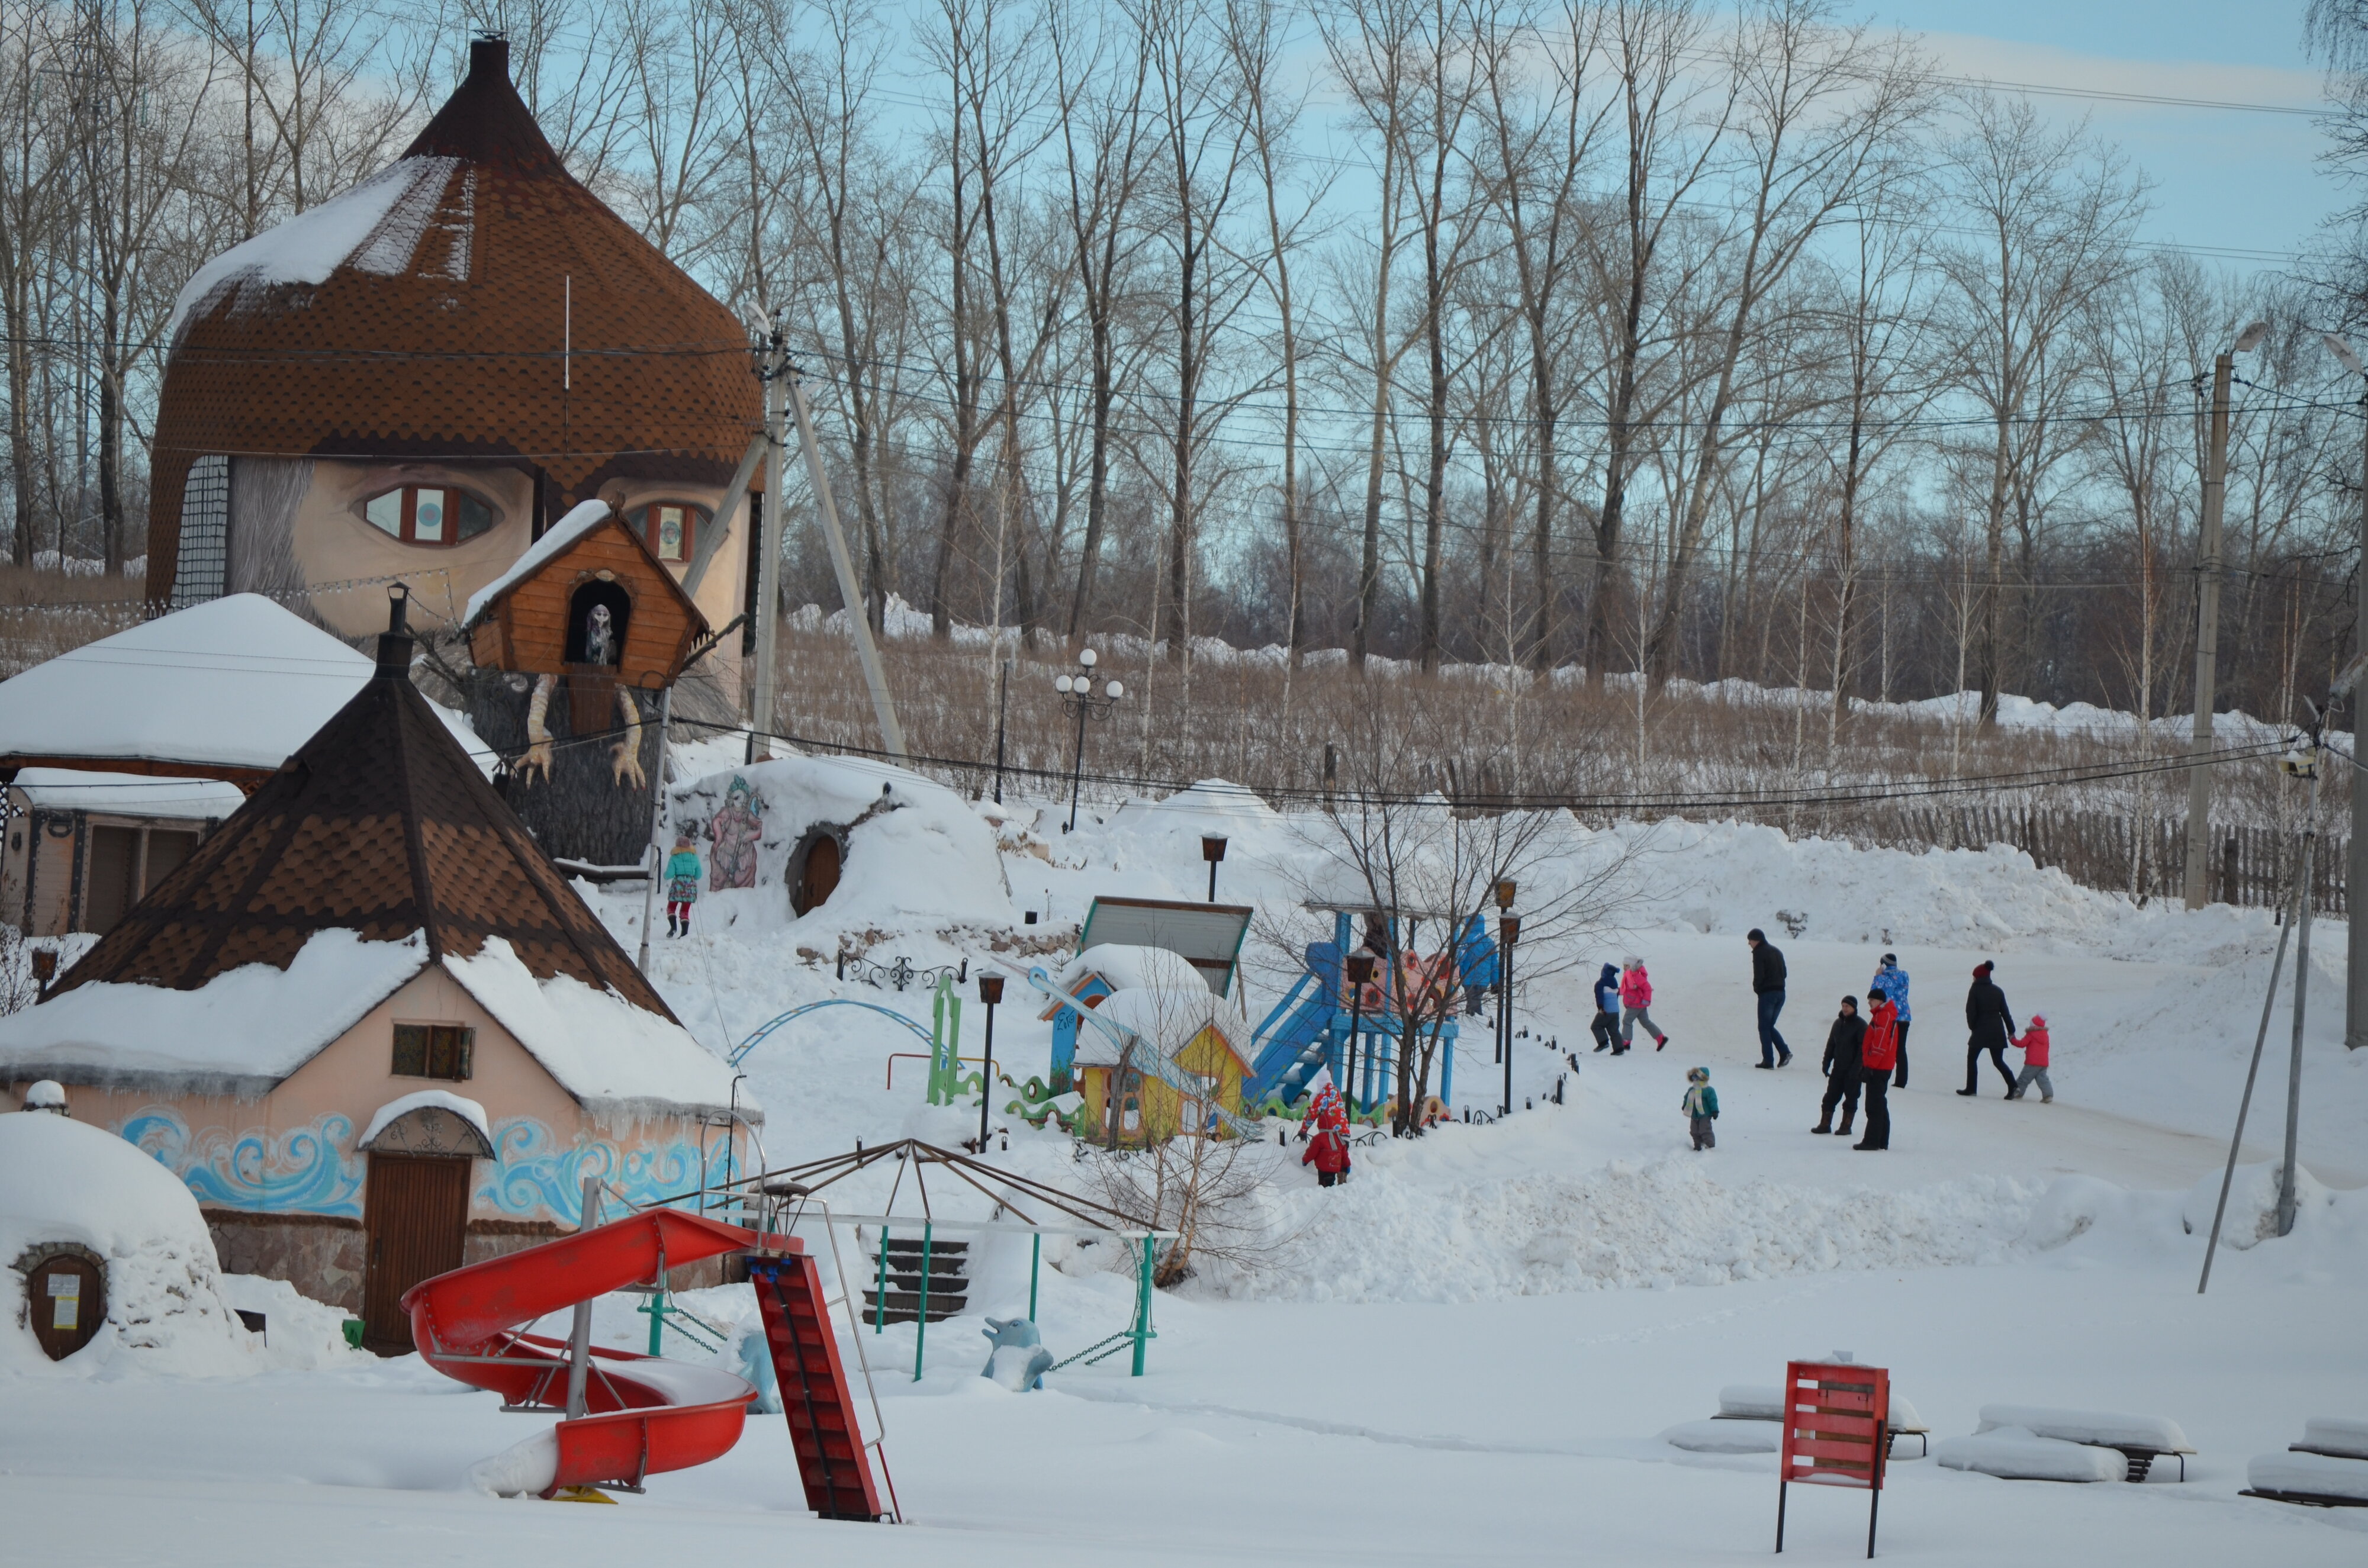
x=1310 y=1027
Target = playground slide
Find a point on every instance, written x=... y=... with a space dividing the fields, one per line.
x=645 y=1413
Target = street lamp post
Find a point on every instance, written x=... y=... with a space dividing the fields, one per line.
x=1509 y=928
x=1361 y=974
x=1212 y=849
x=990 y=991
x=2207 y=621
x=1077 y=691
x=2355 y=985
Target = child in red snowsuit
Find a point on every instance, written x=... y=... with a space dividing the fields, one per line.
x=2033 y=1044
x=1327 y=1147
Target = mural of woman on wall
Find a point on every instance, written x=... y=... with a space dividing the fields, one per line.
x=736 y=827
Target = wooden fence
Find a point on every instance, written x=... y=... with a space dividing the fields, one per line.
x=2106 y=850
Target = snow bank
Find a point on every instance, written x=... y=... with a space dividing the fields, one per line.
x=299 y=1333
x=1625 y=1225
x=611 y=1055
x=2252 y=1216
x=2111 y=1428
x=2317 y=1475
x=61 y=1181
x=1725 y=1436
x=918 y=858
x=2013 y=1453
x=240 y=1033
x=525 y=1469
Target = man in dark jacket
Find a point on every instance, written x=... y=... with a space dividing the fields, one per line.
x=1767 y=990
x=1989 y=1028
x=1606 y=1026
x=1842 y=1069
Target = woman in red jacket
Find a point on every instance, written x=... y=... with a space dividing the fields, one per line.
x=1877 y=1055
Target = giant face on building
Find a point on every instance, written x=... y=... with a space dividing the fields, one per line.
x=414 y=379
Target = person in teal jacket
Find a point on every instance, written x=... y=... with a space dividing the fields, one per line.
x=1701 y=1106
x=682 y=874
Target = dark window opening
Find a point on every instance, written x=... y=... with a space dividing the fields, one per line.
x=434 y=1050
x=598 y=614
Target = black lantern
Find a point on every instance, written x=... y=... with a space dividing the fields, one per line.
x=1212 y=849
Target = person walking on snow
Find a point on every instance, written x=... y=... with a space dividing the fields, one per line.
x=1843 y=1045
x=682 y=884
x=1701 y=1106
x=1767 y=990
x=1635 y=998
x=2033 y=1045
x=1878 y=1055
x=1328 y=1153
x=1990 y=1028
x=1894 y=980
x=1606 y=1026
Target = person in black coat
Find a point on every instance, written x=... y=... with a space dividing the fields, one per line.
x=1990 y=1028
x=1842 y=1069
x=1768 y=991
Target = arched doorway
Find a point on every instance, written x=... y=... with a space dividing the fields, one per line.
x=816 y=870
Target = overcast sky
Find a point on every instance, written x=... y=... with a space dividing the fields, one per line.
x=2225 y=179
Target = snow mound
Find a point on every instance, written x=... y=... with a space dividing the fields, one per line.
x=300 y=1334
x=2252 y=1216
x=1725 y=1436
x=1217 y=804
x=2015 y=1453
x=2111 y=1428
x=2336 y=1434
x=2317 y=1475
x=525 y=1469
x=917 y=857
x=61 y=1181
x=1622 y=1226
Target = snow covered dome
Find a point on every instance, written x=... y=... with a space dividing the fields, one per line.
x=80 y=1205
x=473 y=306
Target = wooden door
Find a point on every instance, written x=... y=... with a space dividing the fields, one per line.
x=67 y=1301
x=820 y=875
x=416 y=1218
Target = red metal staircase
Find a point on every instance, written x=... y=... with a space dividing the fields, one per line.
x=823 y=1432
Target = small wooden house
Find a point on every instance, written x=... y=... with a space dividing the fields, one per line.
x=84 y=847
x=1187 y=1029
x=374 y=1029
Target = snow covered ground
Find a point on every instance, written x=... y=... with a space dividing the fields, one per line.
x=1467 y=1353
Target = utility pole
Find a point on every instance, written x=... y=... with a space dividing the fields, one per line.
x=2306 y=759
x=2207 y=639
x=772 y=358
x=842 y=565
x=2347 y=691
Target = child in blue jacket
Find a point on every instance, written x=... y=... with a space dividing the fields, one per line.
x=1606 y=1026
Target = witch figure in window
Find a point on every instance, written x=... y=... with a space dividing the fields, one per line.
x=734 y=830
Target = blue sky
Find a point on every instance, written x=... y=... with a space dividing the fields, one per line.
x=2225 y=180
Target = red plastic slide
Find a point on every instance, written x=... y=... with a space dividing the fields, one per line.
x=646 y=1414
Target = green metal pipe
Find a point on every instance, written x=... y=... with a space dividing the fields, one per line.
x=921 y=1320
x=1035 y=1257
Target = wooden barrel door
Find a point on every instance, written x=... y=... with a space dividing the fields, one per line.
x=818 y=878
x=415 y=1218
x=67 y=1298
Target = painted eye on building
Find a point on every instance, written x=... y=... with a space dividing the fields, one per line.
x=671 y=529
x=428 y=514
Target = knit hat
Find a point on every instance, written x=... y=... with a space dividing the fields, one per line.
x=1698 y=1076
x=1852 y=1001
x=1982 y=969
x=2039 y=1020
x=1891 y=957
x=1877 y=993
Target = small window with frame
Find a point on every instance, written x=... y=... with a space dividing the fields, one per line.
x=671 y=529
x=434 y=1051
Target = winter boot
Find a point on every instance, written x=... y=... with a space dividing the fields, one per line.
x=686 y=923
x=674 y=925
x=1826 y=1125
x=1847 y=1116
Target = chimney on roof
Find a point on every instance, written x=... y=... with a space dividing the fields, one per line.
x=489 y=55
x=394 y=643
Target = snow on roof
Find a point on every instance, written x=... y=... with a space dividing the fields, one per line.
x=1129 y=968
x=63 y=1182
x=1168 y=1019
x=609 y=1054
x=395 y=1109
x=917 y=854
x=581 y=520
x=310 y=246
x=235 y=682
x=240 y=1033
x=128 y=794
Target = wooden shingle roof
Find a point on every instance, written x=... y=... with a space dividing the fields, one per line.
x=380 y=824
x=450 y=331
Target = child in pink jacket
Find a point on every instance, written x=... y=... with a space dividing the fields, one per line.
x=1635 y=998
x=2033 y=1044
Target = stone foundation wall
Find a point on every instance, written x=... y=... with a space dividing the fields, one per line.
x=320 y=1254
